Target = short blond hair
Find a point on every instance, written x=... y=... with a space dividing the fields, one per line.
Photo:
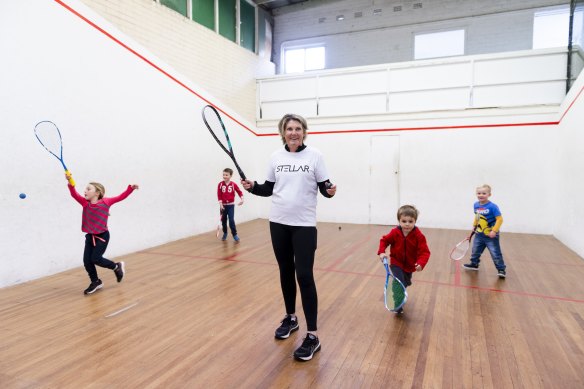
x=284 y=122
x=407 y=210
x=99 y=188
x=486 y=186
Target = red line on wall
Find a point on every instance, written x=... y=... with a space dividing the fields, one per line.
x=92 y=24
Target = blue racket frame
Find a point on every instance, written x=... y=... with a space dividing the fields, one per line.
x=60 y=156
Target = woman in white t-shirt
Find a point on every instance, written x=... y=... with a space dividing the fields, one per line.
x=296 y=172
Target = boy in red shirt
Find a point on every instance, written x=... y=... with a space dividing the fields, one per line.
x=226 y=195
x=409 y=251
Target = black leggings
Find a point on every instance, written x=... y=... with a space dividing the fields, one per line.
x=95 y=245
x=294 y=248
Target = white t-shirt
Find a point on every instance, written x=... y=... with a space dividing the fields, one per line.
x=295 y=176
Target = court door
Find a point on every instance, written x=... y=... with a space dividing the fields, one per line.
x=384 y=179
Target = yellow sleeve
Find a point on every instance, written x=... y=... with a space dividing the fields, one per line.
x=498 y=222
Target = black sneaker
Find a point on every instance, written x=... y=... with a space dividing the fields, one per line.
x=502 y=273
x=470 y=266
x=120 y=271
x=93 y=287
x=309 y=346
x=287 y=326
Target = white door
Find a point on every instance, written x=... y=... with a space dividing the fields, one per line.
x=384 y=179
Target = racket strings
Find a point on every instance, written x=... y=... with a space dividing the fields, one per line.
x=460 y=250
x=49 y=136
x=217 y=128
x=398 y=293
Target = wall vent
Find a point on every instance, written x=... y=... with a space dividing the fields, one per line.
x=397 y=8
x=358 y=14
x=321 y=20
x=377 y=12
x=417 y=5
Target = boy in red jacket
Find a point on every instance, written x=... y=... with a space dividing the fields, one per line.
x=226 y=195
x=409 y=251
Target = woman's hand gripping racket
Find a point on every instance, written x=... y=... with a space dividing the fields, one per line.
x=49 y=136
x=395 y=294
x=460 y=250
x=215 y=124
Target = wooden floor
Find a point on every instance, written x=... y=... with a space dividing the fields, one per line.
x=200 y=313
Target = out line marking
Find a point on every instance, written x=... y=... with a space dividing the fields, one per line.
x=122 y=310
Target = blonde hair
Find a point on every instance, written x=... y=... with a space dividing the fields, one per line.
x=99 y=188
x=284 y=122
x=487 y=187
x=407 y=210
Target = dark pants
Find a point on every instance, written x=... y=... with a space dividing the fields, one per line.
x=400 y=274
x=93 y=254
x=229 y=212
x=294 y=248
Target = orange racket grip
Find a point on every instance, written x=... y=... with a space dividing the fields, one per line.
x=70 y=178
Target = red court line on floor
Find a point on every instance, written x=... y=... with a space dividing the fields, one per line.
x=349 y=252
x=233 y=258
x=353 y=131
x=457 y=273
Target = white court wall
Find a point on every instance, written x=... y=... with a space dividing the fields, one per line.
x=122 y=122
x=440 y=169
x=568 y=154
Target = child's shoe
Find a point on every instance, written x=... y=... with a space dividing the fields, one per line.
x=502 y=273
x=236 y=238
x=93 y=287
x=120 y=271
x=224 y=237
x=471 y=266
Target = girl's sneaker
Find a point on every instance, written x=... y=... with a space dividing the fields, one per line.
x=120 y=270
x=93 y=287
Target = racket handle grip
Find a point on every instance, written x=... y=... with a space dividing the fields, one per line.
x=70 y=178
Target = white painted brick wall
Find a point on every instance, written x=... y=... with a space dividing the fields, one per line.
x=492 y=26
x=224 y=69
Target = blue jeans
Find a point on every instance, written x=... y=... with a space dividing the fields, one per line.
x=480 y=242
x=229 y=212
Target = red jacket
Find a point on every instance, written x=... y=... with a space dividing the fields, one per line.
x=406 y=251
x=226 y=192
